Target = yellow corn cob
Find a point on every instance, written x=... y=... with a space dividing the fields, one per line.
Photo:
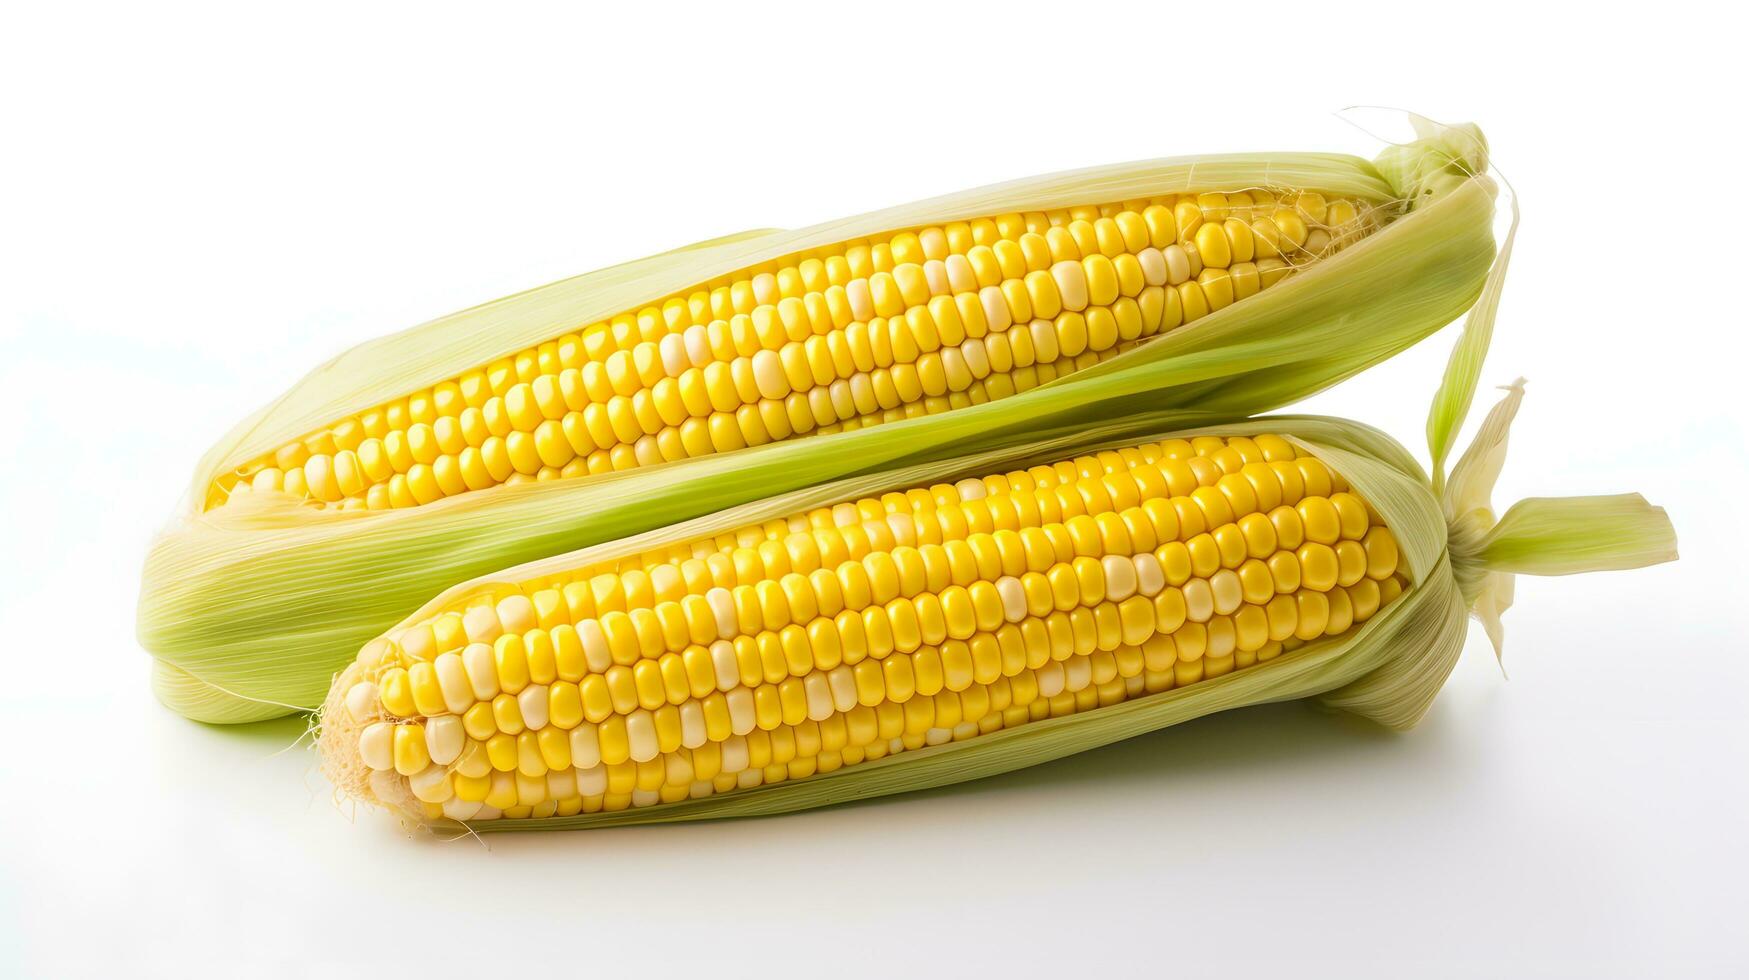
x=866 y=629
x=918 y=321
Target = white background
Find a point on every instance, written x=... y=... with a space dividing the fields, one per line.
x=202 y=202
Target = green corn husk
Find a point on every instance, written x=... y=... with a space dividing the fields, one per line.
x=251 y=607
x=1459 y=558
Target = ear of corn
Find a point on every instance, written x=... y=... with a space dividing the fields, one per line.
x=843 y=642
x=423 y=459
x=830 y=339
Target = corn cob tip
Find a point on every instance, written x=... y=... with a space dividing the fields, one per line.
x=1442 y=159
x=341 y=727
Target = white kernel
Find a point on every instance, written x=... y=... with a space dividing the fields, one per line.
x=591 y=780
x=933 y=241
x=726 y=665
x=995 y=305
x=461 y=810
x=1228 y=594
x=1071 y=281
x=516 y=614
x=960 y=277
x=734 y=754
x=641 y=733
x=585 y=746
x=1153 y=266
x=819 y=695
x=596 y=652
x=1150 y=577
x=453 y=681
x=765 y=289
x=1013 y=598
x=532 y=702
x=722 y=603
x=935 y=274
x=842 y=680
x=444 y=739
x=741 y=715
x=861 y=391
x=376 y=746
x=904 y=528
x=665 y=580
x=431 y=785
x=692 y=728
x=953 y=364
x=698 y=345
x=361 y=701
x=1077 y=673
x=677 y=769
x=562 y=783
x=860 y=299
x=1199 y=600
x=1177 y=264
x=674 y=357
x=1120 y=577
x=481 y=624
x=1044 y=340
x=768 y=374
x=419 y=643
x=1050 y=679
x=482 y=668
x=977 y=358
